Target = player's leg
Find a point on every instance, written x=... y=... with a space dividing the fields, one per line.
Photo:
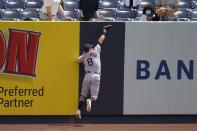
x=94 y=90
x=80 y=105
x=84 y=93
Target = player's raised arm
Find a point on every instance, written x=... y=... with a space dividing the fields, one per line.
x=102 y=37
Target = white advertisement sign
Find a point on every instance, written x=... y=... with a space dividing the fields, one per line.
x=160 y=68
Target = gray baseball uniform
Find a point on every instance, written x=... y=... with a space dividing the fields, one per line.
x=92 y=66
x=172 y=4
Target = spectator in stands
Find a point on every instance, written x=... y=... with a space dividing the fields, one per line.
x=149 y=14
x=49 y=10
x=167 y=9
x=131 y=3
x=89 y=8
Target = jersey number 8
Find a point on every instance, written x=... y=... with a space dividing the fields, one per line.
x=90 y=62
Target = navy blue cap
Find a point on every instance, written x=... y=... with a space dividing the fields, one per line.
x=86 y=47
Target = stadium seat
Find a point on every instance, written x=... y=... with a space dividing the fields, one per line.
x=29 y=14
x=182 y=13
x=125 y=13
x=123 y=19
x=120 y=4
x=194 y=14
x=194 y=4
x=193 y=19
x=183 y=19
x=139 y=12
x=14 y=4
x=108 y=4
x=184 y=4
x=108 y=19
x=33 y=3
x=2 y=5
x=10 y=14
x=144 y=3
x=105 y=19
x=107 y=13
x=69 y=4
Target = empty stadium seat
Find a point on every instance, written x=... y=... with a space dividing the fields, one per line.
x=108 y=4
x=123 y=19
x=183 y=19
x=29 y=14
x=14 y=4
x=182 y=13
x=107 y=13
x=33 y=3
x=69 y=4
x=105 y=19
x=194 y=14
x=144 y=3
x=194 y=4
x=10 y=14
x=125 y=13
x=120 y=4
x=194 y=19
x=139 y=12
x=2 y=5
x=184 y=4
x=108 y=19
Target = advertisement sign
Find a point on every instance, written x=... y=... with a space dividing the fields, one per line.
x=38 y=72
x=160 y=75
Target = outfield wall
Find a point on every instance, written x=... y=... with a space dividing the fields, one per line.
x=160 y=68
x=147 y=68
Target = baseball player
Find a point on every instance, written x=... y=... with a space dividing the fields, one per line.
x=92 y=65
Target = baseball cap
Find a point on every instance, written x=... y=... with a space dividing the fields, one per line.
x=86 y=47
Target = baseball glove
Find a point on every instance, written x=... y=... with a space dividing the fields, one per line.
x=107 y=27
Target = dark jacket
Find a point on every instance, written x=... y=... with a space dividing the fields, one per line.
x=89 y=7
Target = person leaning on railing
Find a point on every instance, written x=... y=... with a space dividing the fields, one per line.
x=149 y=14
x=89 y=8
x=167 y=9
x=49 y=10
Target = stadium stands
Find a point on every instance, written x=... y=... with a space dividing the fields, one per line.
x=194 y=4
x=10 y=15
x=29 y=14
x=144 y=3
x=14 y=4
x=33 y=4
x=2 y=6
x=126 y=13
x=193 y=15
x=108 y=13
x=112 y=10
x=184 y=4
x=183 y=13
x=70 y=4
x=120 y=4
x=106 y=4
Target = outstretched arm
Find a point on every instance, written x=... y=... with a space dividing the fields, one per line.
x=102 y=37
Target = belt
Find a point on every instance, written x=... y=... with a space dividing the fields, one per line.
x=93 y=72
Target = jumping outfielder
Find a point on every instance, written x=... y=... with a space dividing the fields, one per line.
x=92 y=65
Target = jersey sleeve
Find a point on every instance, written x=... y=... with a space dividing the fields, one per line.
x=80 y=59
x=97 y=48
